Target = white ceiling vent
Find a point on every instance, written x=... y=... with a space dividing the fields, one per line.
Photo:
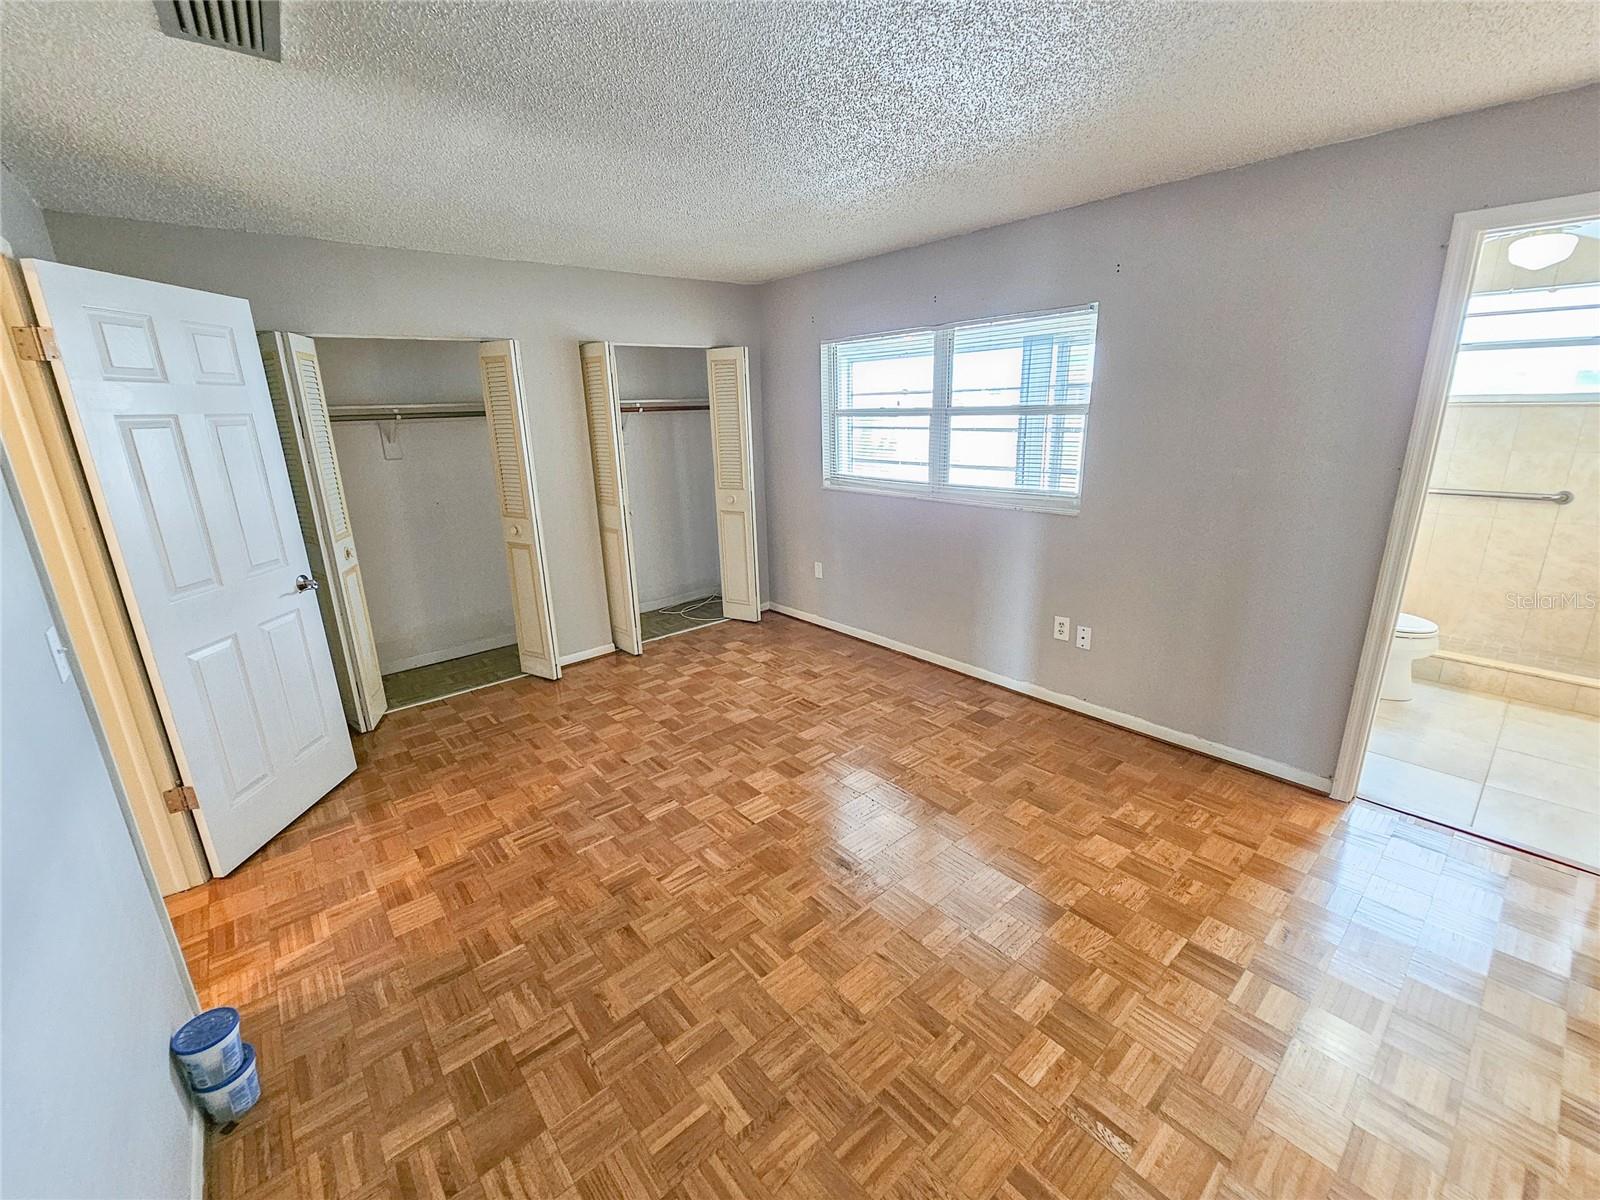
x=248 y=26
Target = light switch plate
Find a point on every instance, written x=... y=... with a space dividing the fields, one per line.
x=59 y=653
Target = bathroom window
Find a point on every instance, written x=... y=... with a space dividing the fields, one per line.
x=1539 y=344
x=988 y=412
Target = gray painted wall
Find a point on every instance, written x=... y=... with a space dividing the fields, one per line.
x=326 y=288
x=1261 y=341
x=90 y=987
x=427 y=524
x=671 y=500
x=22 y=225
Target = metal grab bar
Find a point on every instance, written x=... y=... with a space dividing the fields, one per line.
x=1561 y=497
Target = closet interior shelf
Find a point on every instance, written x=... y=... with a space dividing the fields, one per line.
x=691 y=404
x=403 y=412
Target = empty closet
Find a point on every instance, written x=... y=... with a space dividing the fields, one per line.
x=669 y=430
x=413 y=482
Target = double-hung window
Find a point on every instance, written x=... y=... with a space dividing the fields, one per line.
x=986 y=412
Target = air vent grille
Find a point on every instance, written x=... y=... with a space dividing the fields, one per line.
x=248 y=26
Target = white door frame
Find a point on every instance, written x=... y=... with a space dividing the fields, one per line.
x=1467 y=233
x=755 y=484
x=525 y=442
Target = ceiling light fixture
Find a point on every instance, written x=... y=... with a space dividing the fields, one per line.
x=1536 y=251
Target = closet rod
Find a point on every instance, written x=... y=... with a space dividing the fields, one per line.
x=636 y=408
x=409 y=412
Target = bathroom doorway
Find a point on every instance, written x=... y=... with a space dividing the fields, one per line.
x=1485 y=649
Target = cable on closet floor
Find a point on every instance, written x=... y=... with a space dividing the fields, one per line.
x=687 y=612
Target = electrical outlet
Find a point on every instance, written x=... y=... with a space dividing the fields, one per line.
x=1063 y=631
x=1083 y=637
x=816 y=569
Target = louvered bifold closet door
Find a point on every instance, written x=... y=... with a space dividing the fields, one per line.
x=611 y=493
x=300 y=406
x=519 y=509
x=728 y=377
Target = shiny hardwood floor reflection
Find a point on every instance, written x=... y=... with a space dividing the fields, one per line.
x=774 y=913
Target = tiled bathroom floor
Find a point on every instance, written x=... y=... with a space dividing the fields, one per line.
x=1514 y=772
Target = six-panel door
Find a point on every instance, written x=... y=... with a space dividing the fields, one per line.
x=167 y=400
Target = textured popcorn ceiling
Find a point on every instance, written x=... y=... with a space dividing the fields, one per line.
x=724 y=141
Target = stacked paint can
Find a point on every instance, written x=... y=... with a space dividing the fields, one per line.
x=218 y=1065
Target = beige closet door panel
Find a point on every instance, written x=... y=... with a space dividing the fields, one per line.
x=294 y=381
x=728 y=380
x=519 y=509
x=611 y=493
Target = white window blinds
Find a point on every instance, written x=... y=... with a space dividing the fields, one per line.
x=990 y=412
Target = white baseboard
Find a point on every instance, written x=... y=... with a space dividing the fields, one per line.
x=578 y=656
x=429 y=657
x=197 y=1154
x=1176 y=737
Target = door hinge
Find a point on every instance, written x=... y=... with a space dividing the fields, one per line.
x=180 y=799
x=35 y=343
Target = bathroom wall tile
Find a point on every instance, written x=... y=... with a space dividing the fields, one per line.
x=1534 y=516
x=1547 y=428
x=1556 y=631
x=1537 y=690
x=1514 y=554
x=1589 y=429
x=1463 y=569
x=1485 y=617
x=1427 y=668
x=1537 y=471
x=1456 y=548
x=1487 y=680
x=1583 y=481
x=1587 y=701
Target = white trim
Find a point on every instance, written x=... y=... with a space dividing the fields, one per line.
x=1176 y=737
x=492 y=642
x=197 y=1153
x=578 y=656
x=1467 y=233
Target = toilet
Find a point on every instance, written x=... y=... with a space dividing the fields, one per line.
x=1414 y=638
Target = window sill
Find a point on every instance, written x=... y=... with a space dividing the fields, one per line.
x=1020 y=503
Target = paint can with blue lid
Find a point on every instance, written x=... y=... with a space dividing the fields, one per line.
x=234 y=1096
x=208 y=1047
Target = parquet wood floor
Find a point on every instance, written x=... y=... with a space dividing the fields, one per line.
x=771 y=913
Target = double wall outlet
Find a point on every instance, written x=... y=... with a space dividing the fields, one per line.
x=1063 y=630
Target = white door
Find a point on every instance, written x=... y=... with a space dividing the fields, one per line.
x=167 y=400
x=728 y=381
x=611 y=493
x=294 y=381
x=519 y=508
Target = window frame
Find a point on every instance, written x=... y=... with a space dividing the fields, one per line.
x=939 y=415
